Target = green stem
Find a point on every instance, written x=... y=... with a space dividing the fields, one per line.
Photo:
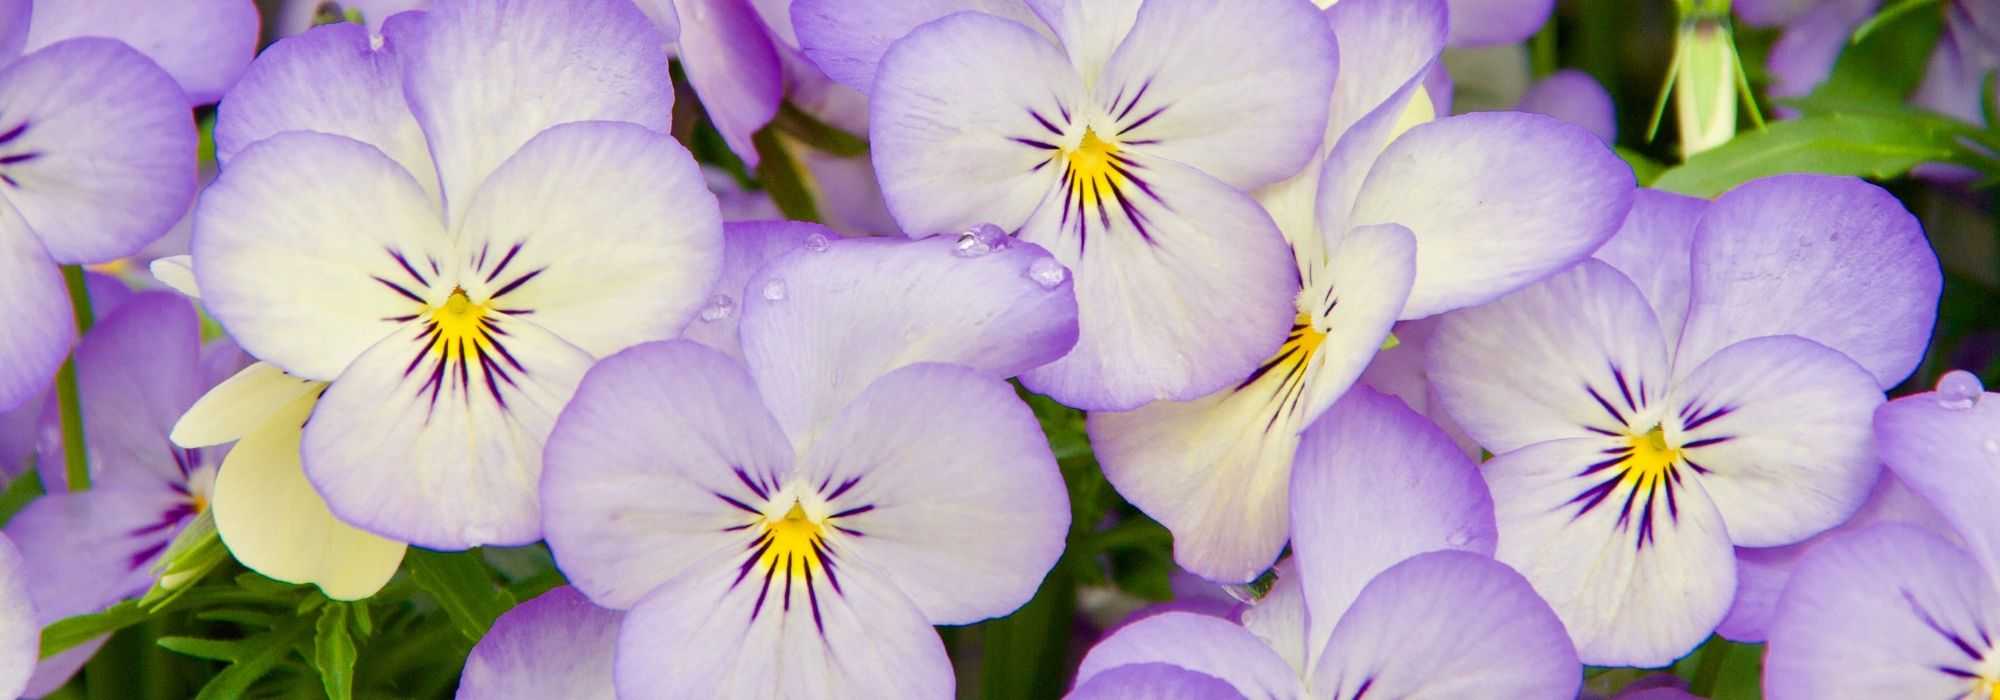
x=1543 y=51
x=1710 y=667
x=76 y=467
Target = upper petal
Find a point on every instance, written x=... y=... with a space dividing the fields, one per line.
x=944 y=479
x=1448 y=624
x=239 y=405
x=1153 y=681
x=820 y=325
x=1655 y=249
x=848 y=40
x=203 y=44
x=414 y=442
x=14 y=18
x=96 y=148
x=1941 y=445
x=1199 y=643
x=40 y=327
x=20 y=632
x=1481 y=22
x=733 y=67
x=310 y=247
x=1577 y=354
x=1832 y=259
x=332 y=79
x=1373 y=466
x=603 y=231
x=1573 y=96
x=1089 y=30
x=555 y=645
x=137 y=370
x=86 y=550
x=643 y=465
x=1497 y=200
x=485 y=76
x=746 y=247
x=1248 y=108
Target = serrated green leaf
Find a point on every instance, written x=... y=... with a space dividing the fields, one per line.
x=462 y=586
x=238 y=616
x=230 y=650
x=67 y=633
x=364 y=622
x=334 y=653
x=1877 y=146
x=266 y=652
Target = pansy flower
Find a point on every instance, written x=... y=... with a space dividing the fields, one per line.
x=138 y=369
x=1901 y=611
x=448 y=222
x=1390 y=591
x=1708 y=388
x=1120 y=137
x=1397 y=216
x=794 y=524
x=556 y=645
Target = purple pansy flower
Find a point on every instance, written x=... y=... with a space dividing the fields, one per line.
x=1815 y=32
x=20 y=629
x=487 y=204
x=795 y=523
x=96 y=160
x=1575 y=97
x=1709 y=387
x=556 y=645
x=203 y=44
x=1396 y=216
x=1154 y=682
x=138 y=369
x=1091 y=130
x=1900 y=611
x=1390 y=591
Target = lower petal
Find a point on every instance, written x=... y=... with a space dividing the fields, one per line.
x=277 y=525
x=40 y=329
x=20 y=631
x=87 y=550
x=241 y=403
x=556 y=645
x=1154 y=682
x=1640 y=572
x=1199 y=643
x=438 y=441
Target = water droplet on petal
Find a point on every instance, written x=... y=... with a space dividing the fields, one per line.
x=1958 y=390
x=774 y=290
x=1246 y=593
x=1992 y=447
x=980 y=240
x=818 y=243
x=719 y=307
x=1047 y=272
x=1458 y=539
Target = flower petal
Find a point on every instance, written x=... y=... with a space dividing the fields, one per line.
x=413 y=443
x=700 y=636
x=1199 y=643
x=1799 y=255
x=86 y=550
x=96 y=150
x=203 y=44
x=1654 y=248
x=240 y=405
x=1364 y=290
x=1158 y=282
x=1890 y=611
x=1946 y=452
x=1398 y=43
x=1248 y=109
x=817 y=328
x=175 y=272
x=332 y=79
x=39 y=326
x=746 y=247
x=277 y=525
x=1280 y=617
x=313 y=231
x=20 y=632
x=848 y=40
x=1577 y=354
x=1371 y=465
x=733 y=67
x=642 y=460
x=1573 y=96
x=1153 y=682
x=556 y=645
x=1482 y=22
x=951 y=483
x=604 y=231
x=1637 y=584
x=137 y=370
x=1088 y=30
x=1780 y=438
x=485 y=77
x=14 y=18
x=1497 y=200
x=961 y=119
x=1448 y=624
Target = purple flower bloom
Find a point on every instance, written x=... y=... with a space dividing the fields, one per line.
x=1486 y=22
x=1396 y=216
x=795 y=523
x=1815 y=32
x=1390 y=591
x=449 y=221
x=1900 y=611
x=1154 y=682
x=1575 y=97
x=1092 y=131
x=203 y=44
x=1707 y=387
x=20 y=629
x=557 y=645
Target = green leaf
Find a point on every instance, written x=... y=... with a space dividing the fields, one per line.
x=818 y=135
x=782 y=177
x=1878 y=146
x=334 y=653
x=460 y=583
x=1644 y=168
x=1026 y=652
x=24 y=489
x=1879 y=65
x=213 y=649
x=67 y=633
x=266 y=652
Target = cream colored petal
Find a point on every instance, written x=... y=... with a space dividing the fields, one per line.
x=240 y=404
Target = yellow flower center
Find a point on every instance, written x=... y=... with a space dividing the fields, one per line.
x=461 y=327
x=1093 y=174
x=1650 y=458
x=793 y=542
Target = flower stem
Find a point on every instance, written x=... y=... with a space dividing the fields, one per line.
x=1709 y=666
x=76 y=467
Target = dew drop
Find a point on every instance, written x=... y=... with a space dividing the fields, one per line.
x=1958 y=390
x=1992 y=447
x=818 y=243
x=1047 y=272
x=719 y=307
x=1243 y=592
x=980 y=240
x=1458 y=539
x=774 y=290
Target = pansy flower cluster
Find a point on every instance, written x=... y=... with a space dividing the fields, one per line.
x=1101 y=349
